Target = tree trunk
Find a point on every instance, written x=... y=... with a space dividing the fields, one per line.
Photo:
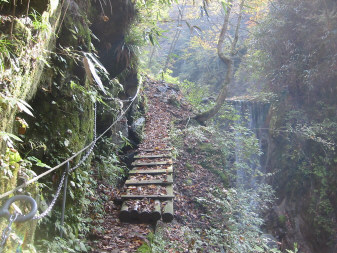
x=227 y=60
x=176 y=36
x=203 y=117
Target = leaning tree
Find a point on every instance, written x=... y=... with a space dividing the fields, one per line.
x=226 y=57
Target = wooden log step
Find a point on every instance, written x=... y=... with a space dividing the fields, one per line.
x=159 y=171
x=168 y=196
x=155 y=149
x=144 y=182
x=124 y=214
x=152 y=163
x=152 y=156
x=167 y=214
x=145 y=216
x=157 y=211
x=169 y=190
x=162 y=210
x=134 y=215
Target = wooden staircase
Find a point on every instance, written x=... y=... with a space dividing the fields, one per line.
x=148 y=195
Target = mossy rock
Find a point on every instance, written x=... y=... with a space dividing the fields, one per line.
x=23 y=233
x=21 y=32
x=137 y=129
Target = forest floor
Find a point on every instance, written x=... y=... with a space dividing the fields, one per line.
x=191 y=181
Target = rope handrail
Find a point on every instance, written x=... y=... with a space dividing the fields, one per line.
x=73 y=156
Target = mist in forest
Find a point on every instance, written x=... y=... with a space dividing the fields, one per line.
x=286 y=55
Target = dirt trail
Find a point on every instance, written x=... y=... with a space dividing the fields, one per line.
x=123 y=237
x=165 y=104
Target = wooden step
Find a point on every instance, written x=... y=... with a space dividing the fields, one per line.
x=145 y=182
x=152 y=156
x=168 y=213
x=152 y=163
x=159 y=171
x=168 y=195
x=142 y=216
x=147 y=196
x=155 y=149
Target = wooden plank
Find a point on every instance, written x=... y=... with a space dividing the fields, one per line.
x=145 y=216
x=168 y=214
x=145 y=182
x=157 y=211
x=155 y=149
x=147 y=196
x=152 y=163
x=134 y=214
x=160 y=171
x=124 y=214
x=169 y=190
x=152 y=156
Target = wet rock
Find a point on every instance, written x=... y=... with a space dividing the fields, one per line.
x=137 y=128
x=120 y=130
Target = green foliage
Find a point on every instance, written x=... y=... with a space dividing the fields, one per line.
x=295 y=249
x=278 y=55
x=299 y=69
x=167 y=77
x=108 y=165
x=6 y=99
x=157 y=243
x=61 y=245
x=238 y=228
x=5 y=51
x=5 y=45
x=38 y=22
x=218 y=143
x=11 y=162
x=38 y=162
x=282 y=220
x=90 y=93
x=7 y=138
x=194 y=94
x=307 y=151
x=77 y=223
x=90 y=65
x=192 y=91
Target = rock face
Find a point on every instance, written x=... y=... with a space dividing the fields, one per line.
x=137 y=128
x=291 y=219
x=304 y=212
x=60 y=94
x=21 y=81
x=110 y=25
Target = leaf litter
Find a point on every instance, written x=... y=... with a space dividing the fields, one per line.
x=124 y=237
